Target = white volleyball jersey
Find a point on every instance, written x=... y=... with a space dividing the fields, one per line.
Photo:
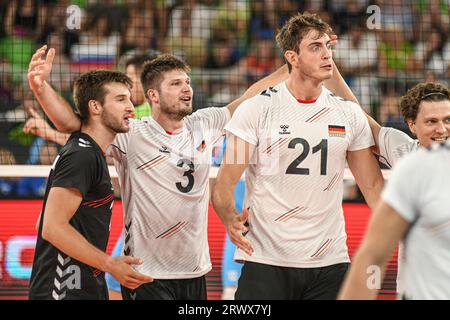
x=419 y=191
x=394 y=144
x=165 y=192
x=294 y=181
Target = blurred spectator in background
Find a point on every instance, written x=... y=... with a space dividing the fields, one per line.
x=220 y=76
x=189 y=31
x=222 y=52
x=61 y=76
x=349 y=13
x=398 y=14
x=432 y=14
x=138 y=34
x=264 y=20
x=98 y=46
x=8 y=186
x=261 y=60
x=25 y=18
x=389 y=113
x=432 y=53
x=396 y=61
x=233 y=16
x=356 y=57
x=133 y=69
x=35 y=186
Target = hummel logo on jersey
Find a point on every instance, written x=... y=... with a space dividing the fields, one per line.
x=267 y=92
x=164 y=149
x=284 y=129
x=84 y=143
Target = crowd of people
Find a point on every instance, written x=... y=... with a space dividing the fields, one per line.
x=229 y=44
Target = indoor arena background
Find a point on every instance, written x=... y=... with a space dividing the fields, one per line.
x=384 y=48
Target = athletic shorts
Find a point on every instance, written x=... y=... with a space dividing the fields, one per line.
x=266 y=282
x=177 y=289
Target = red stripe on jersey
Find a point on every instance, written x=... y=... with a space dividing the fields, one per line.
x=324 y=249
x=104 y=202
x=306 y=101
x=321 y=115
x=317 y=114
x=99 y=202
x=320 y=248
x=145 y=163
x=292 y=214
x=176 y=230
x=331 y=182
x=154 y=163
x=277 y=145
x=171 y=228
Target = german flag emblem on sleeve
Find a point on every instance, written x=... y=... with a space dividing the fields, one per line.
x=336 y=131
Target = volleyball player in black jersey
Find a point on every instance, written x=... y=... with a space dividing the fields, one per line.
x=70 y=258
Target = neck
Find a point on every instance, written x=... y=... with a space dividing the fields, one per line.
x=101 y=135
x=303 y=87
x=168 y=122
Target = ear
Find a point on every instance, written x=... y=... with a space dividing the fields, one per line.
x=94 y=107
x=412 y=125
x=153 y=96
x=291 y=57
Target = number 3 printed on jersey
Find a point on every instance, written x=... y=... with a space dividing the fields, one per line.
x=188 y=174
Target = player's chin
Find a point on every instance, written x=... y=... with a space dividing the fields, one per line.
x=326 y=74
x=123 y=128
x=186 y=109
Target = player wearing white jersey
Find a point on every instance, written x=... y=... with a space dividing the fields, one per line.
x=171 y=237
x=163 y=166
x=294 y=140
x=426 y=109
x=414 y=208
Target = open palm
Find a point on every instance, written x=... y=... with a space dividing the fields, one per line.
x=39 y=69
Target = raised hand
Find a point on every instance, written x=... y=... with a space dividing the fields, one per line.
x=39 y=69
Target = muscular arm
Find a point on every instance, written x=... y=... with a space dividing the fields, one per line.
x=234 y=163
x=338 y=85
x=57 y=109
x=273 y=79
x=386 y=228
x=62 y=203
x=367 y=174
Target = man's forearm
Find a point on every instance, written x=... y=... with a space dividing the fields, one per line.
x=71 y=242
x=337 y=85
x=360 y=283
x=223 y=202
x=372 y=193
x=273 y=79
x=57 y=109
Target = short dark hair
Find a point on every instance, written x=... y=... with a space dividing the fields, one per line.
x=91 y=86
x=427 y=91
x=296 y=28
x=152 y=74
x=139 y=60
